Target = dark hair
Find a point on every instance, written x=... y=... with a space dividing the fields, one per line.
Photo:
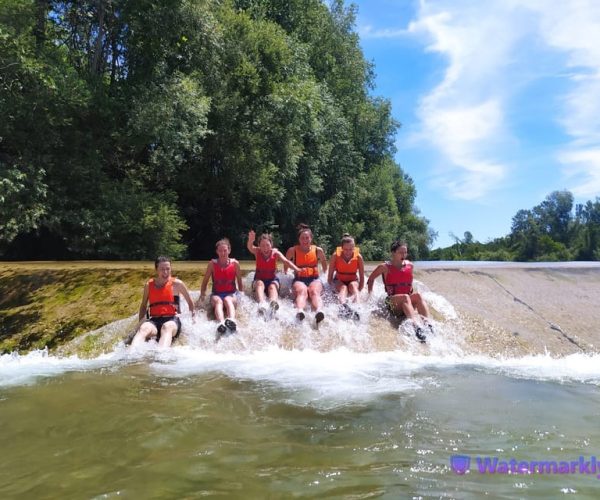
x=159 y=259
x=266 y=236
x=303 y=227
x=223 y=241
x=346 y=238
x=397 y=244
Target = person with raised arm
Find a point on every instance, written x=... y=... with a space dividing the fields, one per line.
x=226 y=278
x=397 y=275
x=158 y=314
x=265 y=278
x=307 y=286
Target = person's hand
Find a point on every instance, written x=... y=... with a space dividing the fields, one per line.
x=252 y=235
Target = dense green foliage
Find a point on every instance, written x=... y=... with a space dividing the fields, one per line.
x=132 y=127
x=554 y=230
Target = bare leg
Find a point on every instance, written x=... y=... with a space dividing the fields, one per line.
x=314 y=292
x=342 y=291
x=230 y=302
x=421 y=306
x=273 y=292
x=353 y=292
x=402 y=303
x=259 y=291
x=167 y=332
x=146 y=331
x=300 y=292
x=217 y=305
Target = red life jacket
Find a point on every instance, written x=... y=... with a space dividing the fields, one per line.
x=162 y=299
x=223 y=277
x=398 y=280
x=307 y=262
x=265 y=268
x=346 y=271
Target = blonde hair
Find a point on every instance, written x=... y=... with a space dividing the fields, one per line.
x=266 y=236
x=223 y=241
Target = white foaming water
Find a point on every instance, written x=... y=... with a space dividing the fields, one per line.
x=340 y=374
x=21 y=370
x=340 y=361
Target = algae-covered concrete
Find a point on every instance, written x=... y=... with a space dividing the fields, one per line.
x=49 y=303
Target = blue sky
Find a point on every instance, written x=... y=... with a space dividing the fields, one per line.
x=499 y=102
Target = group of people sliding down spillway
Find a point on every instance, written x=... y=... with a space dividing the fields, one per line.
x=158 y=314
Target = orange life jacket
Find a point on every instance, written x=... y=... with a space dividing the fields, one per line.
x=398 y=280
x=265 y=268
x=162 y=299
x=346 y=271
x=223 y=278
x=307 y=262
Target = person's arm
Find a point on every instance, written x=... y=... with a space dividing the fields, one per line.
x=287 y=264
x=182 y=289
x=331 y=269
x=289 y=255
x=250 y=244
x=207 y=276
x=361 y=273
x=412 y=267
x=238 y=276
x=379 y=270
x=144 y=304
x=322 y=259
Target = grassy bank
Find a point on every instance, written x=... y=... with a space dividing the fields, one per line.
x=49 y=303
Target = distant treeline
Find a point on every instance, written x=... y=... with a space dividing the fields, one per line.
x=131 y=128
x=554 y=230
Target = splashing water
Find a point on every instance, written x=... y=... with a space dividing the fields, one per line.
x=345 y=357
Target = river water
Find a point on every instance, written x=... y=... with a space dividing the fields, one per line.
x=352 y=410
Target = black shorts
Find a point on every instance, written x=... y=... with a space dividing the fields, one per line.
x=344 y=282
x=159 y=321
x=306 y=281
x=267 y=283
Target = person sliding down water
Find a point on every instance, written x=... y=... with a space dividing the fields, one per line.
x=397 y=276
x=266 y=267
x=225 y=273
x=160 y=300
x=347 y=275
x=307 y=285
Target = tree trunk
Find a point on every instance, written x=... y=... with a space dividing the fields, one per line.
x=41 y=12
x=98 y=46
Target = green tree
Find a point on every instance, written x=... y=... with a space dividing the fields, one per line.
x=215 y=116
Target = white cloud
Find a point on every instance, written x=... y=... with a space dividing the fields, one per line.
x=368 y=32
x=494 y=50
x=459 y=134
x=574 y=29
x=583 y=165
x=463 y=117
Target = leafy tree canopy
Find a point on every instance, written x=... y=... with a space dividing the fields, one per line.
x=130 y=128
